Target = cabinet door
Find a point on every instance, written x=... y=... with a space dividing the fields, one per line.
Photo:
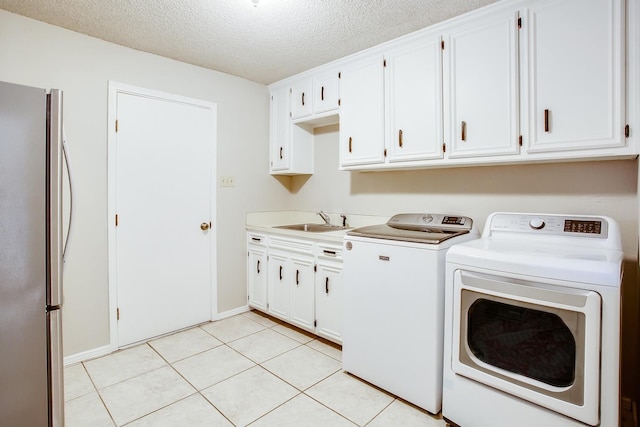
x=328 y=301
x=575 y=74
x=362 y=113
x=481 y=99
x=257 y=277
x=302 y=285
x=280 y=129
x=326 y=92
x=301 y=98
x=278 y=285
x=413 y=88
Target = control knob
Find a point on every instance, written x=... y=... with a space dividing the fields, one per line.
x=537 y=223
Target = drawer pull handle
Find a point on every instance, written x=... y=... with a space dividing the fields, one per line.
x=350 y=144
x=280 y=153
x=326 y=285
x=280 y=273
x=463 y=130
x=329 y=253
x=383 y=258
x=303 y=99
x=297 y=277
x=546 y=120
x=256 y=239
x=400 y=138
x=322 y=93
x=258 y=267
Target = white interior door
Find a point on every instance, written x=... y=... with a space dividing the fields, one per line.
x=163 y=201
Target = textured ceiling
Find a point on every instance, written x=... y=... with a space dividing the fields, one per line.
x=263 y=43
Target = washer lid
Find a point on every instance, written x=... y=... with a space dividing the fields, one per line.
x=420 y=228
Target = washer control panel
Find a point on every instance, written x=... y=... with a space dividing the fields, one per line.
x=424 y=221
x=583 y=226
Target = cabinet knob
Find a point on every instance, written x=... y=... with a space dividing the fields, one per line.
x=204 y=226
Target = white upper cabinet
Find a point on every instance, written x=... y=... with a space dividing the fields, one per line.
x=280 y=130
x=326 y=92
x=301 y=98
x=481 y=87
x=574 y=64
x=362 y=112
x=291 y=147
x=314 y=95
x=413 y=91
x=515 y=81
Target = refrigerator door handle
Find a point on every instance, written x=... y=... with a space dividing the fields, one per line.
x=54 y=135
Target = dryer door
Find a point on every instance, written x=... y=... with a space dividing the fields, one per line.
x=536 y=341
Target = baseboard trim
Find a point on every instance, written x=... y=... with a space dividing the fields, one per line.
x=229 y=313
x=86 y=355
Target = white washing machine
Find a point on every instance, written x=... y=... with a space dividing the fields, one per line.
x=393 y=303
x=532 y=323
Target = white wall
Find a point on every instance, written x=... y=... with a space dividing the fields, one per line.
x=36 y=54
x=600 y=187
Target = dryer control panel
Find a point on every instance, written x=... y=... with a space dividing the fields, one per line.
x=567 y=225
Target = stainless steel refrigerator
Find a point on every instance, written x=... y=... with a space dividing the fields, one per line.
x=31 y=372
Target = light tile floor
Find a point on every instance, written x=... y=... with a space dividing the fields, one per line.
x=244 y=370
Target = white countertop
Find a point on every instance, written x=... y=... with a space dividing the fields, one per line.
x=267 y=221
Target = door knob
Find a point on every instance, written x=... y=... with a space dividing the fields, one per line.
x=204 y=226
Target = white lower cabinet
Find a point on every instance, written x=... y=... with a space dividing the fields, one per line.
x=278 y=298
x=257 y=271
x=328 y=296
x=297 y=281
x=301 y=285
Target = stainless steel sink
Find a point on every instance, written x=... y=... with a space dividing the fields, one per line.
x=313 y=228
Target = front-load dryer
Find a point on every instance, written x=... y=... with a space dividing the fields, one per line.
x=532 y=323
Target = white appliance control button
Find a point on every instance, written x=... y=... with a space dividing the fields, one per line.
x=427 y=218
x=537 y=224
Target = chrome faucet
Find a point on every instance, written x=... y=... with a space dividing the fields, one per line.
x=325 y=217
x=344 y=220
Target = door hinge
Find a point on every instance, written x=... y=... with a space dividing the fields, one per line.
x=444 y=148
x=117 y=314
x=117 y=126
x=519 y=22
x=627 y=130
x=116 y=220
x=520 y=140
x=442 y=44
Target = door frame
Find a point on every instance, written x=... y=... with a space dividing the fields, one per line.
x=116 y=88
